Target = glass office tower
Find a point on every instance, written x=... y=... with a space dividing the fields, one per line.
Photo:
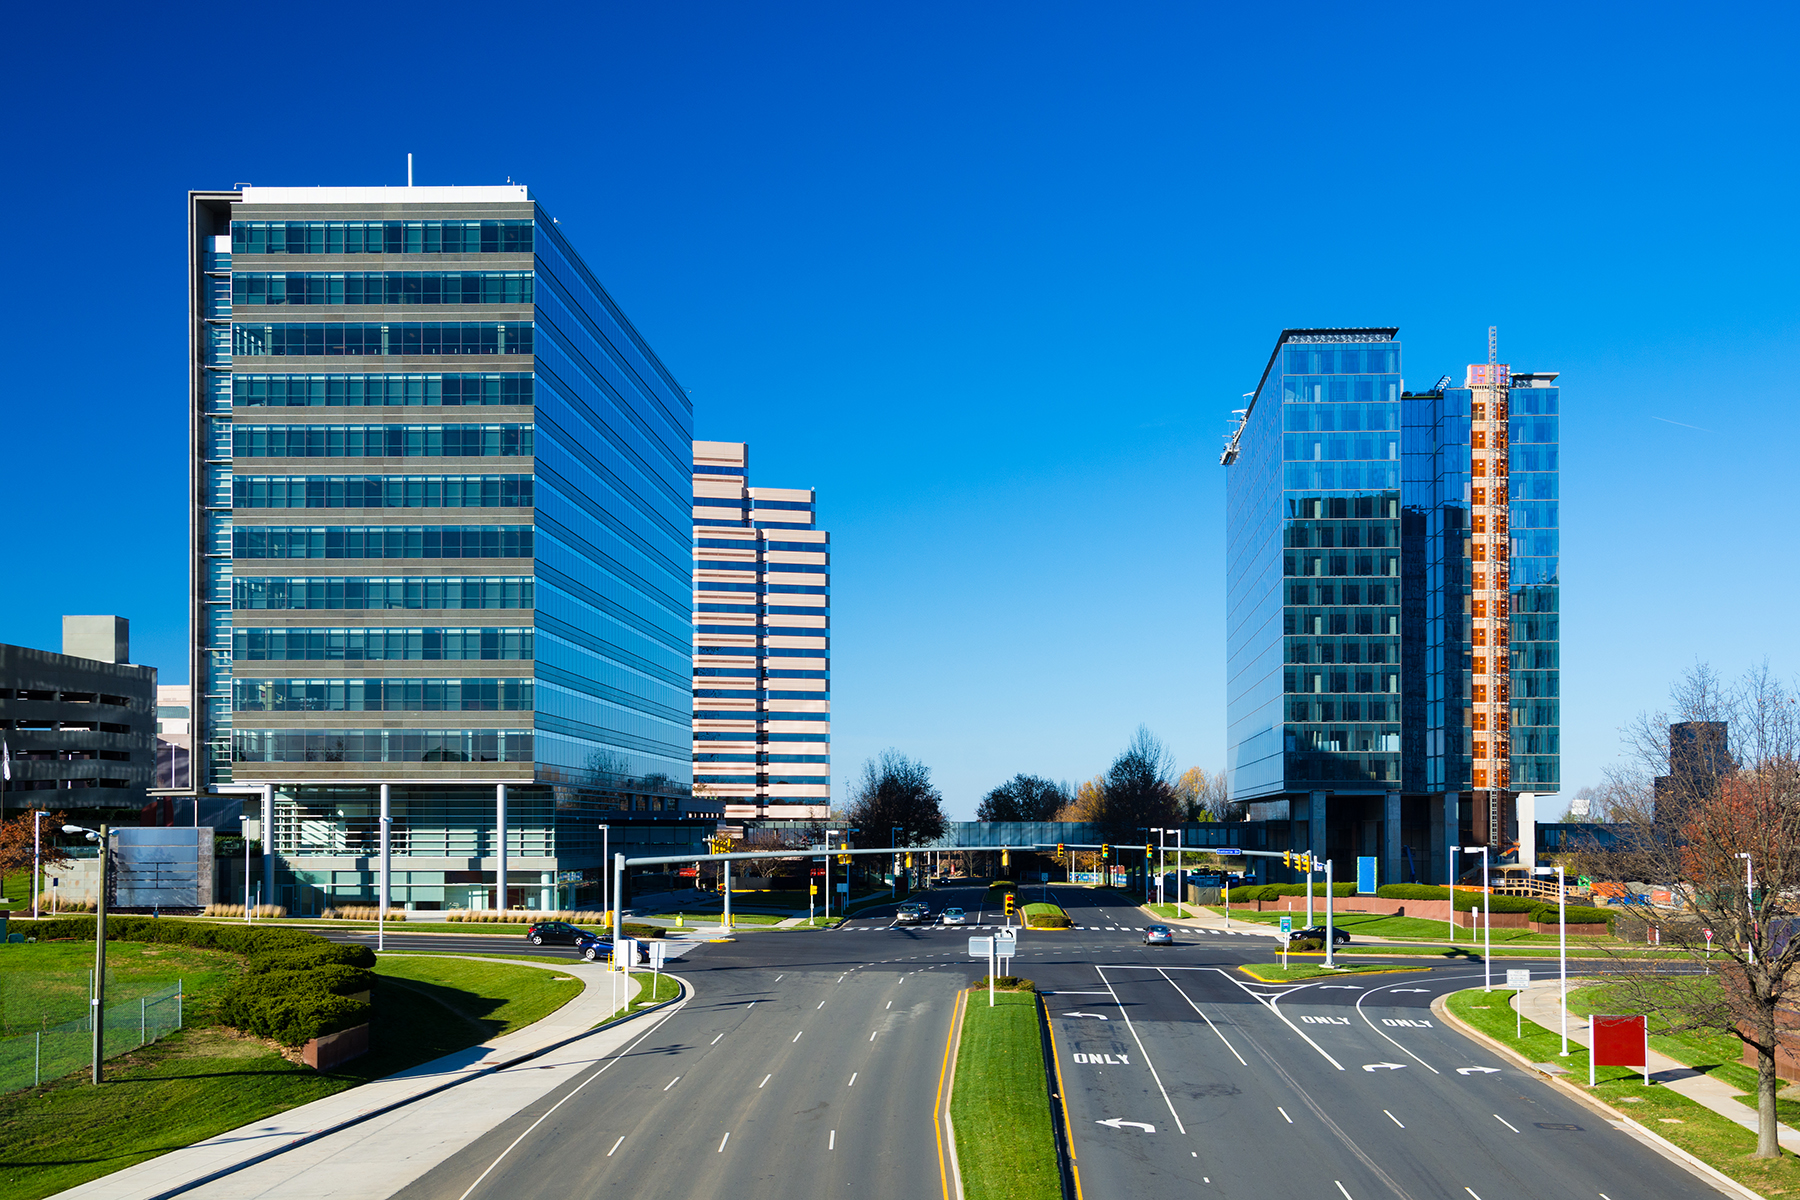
x=1391 y=581
x=439 y=545
x=762 y=644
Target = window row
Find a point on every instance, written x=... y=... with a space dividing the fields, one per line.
x=1348 y=594
x=1341 y=477
x=1365 y=623
x=1343 y=710
x=381 y=287
x=381 y=491
x=381 y=695
x=1346 y=652
x=381 y=745
x=1310 y=447
x=362 y=592
x=381 y=237
x=389 y=338
x=1341 y=564
x=1370 y=417
x=1340 y=360
x=378 y=391
x=1297 y=682
x=358 y=645
x=1305 y=535
x=381 y=541
x=380 y=441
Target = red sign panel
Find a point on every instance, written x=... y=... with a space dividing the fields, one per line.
x=688 y=872
x=818 y=872
x=1620 y=1041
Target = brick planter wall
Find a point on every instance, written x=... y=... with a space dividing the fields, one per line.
x=1550 y=927
x=324 y=1053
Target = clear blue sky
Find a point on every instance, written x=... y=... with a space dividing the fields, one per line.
x=990 y=277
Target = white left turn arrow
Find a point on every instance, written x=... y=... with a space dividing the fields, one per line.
x=1478 y=1070
x=1082 y=1014
x=1384 y=1066
x=1120 y=1123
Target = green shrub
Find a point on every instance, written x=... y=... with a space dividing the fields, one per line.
x=1412 y=891
x=1474 y=902
x=1003 y=885
x=1012 y=983
x=295 y=1018
x=1575 y=915
x=1307 y=945
x=1247 y=895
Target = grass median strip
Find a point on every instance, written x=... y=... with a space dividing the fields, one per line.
x=1005 y=1143
x=1723 y=1145
x=1046 y=916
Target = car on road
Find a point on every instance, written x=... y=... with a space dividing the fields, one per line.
x=1158 y=935
x=955 y=916
x=911 y=913
x=554 y=933
x=595 y=948
x=1339 y=935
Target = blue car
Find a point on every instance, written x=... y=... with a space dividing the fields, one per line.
x=598 y=949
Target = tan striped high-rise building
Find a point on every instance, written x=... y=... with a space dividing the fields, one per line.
x=762 y=643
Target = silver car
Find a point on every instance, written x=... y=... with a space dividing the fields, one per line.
x=1158 y=935
x=955 y=916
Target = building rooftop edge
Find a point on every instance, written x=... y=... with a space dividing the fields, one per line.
x=508 y=193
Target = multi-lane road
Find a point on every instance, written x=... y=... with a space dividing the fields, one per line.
x=810 y=1064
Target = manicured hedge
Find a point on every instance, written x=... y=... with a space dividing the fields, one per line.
x=1576 y=915
x=1412 y=891
x=296 y=985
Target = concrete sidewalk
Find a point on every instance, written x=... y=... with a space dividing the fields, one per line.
x=371 y=1141
x=1540 y=1002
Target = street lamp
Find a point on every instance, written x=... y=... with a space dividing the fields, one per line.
x=37 y=858
x=1562 y=930
x=387 y=825
x=1487 y=905
x=605 y=840
x=1453 y=850
x=829 y=834
x=1749 y=907
x=244 y=825
x=97 y=1002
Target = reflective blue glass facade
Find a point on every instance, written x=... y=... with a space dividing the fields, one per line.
x=1392 y=575
x=558 y=547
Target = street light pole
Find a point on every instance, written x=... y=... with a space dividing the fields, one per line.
x=244 y=826
x=829 y=834
x=97 y=1002
x=387 y=824
x=1487 y=917
x=1562 y=929
x=1749 y=908
x=37 y=856
x=1453 y=850
x=605 y=836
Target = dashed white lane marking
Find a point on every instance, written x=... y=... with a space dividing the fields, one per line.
x=722 y=1142
x=671 y=1083
x=890 y=1004
x=821 y=1005
x=852 y=1082
x=1283 y=1112
x=715 y=1041
x=1343 y=1189
x=616 y=1145
x=874 y=1032
x=1471 y=1192
x=832 y=1144
x=780 y=977
x=797 y=1037
x=766 y=1079
x=1506 y=1123
x=1393 y=1118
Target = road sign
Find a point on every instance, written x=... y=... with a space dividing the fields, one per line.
x=1517 y=978
x=1708 y=934
x=981 y=947
x=1225 y=851
x=657 y=952
x=1365 y=876
x=1287 y=924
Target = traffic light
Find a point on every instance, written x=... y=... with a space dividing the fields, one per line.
x=1059 y=847
x=1009 y=904
x=909 y=860
x=1287 y=859
x=1105 y=852
x=1149 y=849
x=1005 y=858
x=844 y=859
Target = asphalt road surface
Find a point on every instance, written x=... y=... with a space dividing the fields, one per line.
x=808 y=1064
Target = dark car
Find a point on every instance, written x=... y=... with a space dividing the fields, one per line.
x=554 y=933
x=1158 y=935
x=1339 y=935
x=595 y=948
x=911 y=913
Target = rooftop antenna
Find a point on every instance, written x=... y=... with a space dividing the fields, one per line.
x=409 y=168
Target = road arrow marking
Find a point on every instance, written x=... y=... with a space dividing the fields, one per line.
x=1421 y=991
x=1082 y=1014
x=1120 y=1123
x=1384 y=1066
x=1341 y=987
x=1478 y=1070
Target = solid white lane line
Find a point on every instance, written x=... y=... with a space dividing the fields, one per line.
x=1203 y=1016
x=1393 y=1118
x=1342 y=1189
x=1270 y=1004
x=832 y=1144
x=722 y=1142
x=715 y=1041
x=616 y=1145
x=1506 y=1122
x=1141 y=1050
x=766 y=1079
x=797 y=1037
x=852 y=1082
x=671 y=1083
x=1283 y=1112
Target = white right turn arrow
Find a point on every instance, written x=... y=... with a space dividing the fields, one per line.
x=1478 y=1070
x=1384 y=1066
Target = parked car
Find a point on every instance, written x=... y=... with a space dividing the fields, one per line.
x=911 y=913
x=595 y=948
x=555 y=933
x=1339 y=935
x=1158 y=935
x=955 y=916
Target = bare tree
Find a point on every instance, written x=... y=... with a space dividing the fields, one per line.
x=1702 y=802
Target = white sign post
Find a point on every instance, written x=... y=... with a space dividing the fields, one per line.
x=1518 y=979
x=1006 y=944
x=1708 y=934
x=1287 y=927
x=983 y=947
x=657 y=950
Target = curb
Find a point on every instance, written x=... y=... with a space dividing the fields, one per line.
x=1441 y=1007
x=351 y=1122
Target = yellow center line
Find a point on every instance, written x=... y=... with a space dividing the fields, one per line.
x=1062 y=1096
x=937 y=1126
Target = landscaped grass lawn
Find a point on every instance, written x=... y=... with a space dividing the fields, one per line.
x=1000 y=1105
x=1171 y=912
x=203 y=1081
x=1724 y=1145
x=652 y=989
x=46 y=983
